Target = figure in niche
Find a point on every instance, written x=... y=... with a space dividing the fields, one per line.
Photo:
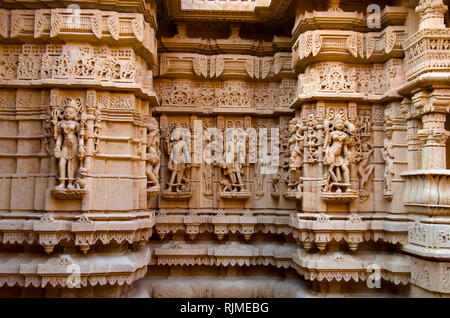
x=233 y=186
x=365 y=166
x=69 y=146
x=388 y=156
x=282 y=174
x=233 y=171
x=179 y=160
x=153 y=157
x=338 y=154
x=296 y=158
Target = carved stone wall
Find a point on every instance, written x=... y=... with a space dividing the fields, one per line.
x=115 y=130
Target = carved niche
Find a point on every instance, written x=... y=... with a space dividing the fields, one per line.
x=69 y=131
x=232 y=182
x=338 y=156
x=178 y=149
x=296 y=144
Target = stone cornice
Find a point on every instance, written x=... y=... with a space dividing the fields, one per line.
x=234 y=44
x=260 y=12
x=328 y=266
x=348 y=46
x=145 y=7
x=57 y=271
x=340 y=20
x=90 y=26
x=225 y=66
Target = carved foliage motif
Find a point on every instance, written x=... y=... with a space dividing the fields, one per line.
x=342 y=78
x=226 y=94
x=59 y=62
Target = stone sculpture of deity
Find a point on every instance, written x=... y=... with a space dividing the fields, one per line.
x=69 y=147
x=296 y=142
x=179 y=160
x=337 y=152
x=388 y=156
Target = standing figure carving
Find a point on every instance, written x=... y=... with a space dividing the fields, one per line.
x=296 y=142
x=338 y=154
x=365 y=165
x=69 y=132
x=178 y=149
x=153 y=157
x=388 y=156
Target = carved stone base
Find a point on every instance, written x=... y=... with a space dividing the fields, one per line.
x=241 y=195
x=68 y=194
x=153 y=191
x=343 y=197
x=293 y=195
x=388 y=195
x=275 y=194
x=176 y=195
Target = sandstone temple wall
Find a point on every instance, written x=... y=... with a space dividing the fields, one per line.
x=99 y=101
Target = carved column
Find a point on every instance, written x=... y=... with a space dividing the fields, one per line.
x=427 y=187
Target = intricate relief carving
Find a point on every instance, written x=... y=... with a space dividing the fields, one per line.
x=178 y=148
x=56 y=23
x=312 y=139
x=339 y=154
x=296 y=144
x=388 y=155
x=352 y=44
x=234 y=93
x=3 y=23
x=137 y=25
x=370 y=45
x=96 y=24
x=17 y=23
x=391 y=38
x=364 y=151
x=266 y=96
x=69 y=124
x=200 y=65
x=339 y=77
x=153 y=155
x=316 y=44
x=113 y=26
x=70 y=62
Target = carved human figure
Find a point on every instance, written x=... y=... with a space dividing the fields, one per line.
x=153 y=154
x=179 y=159
x=337 y=150
x=234 y=173
x=296 y=144
x=388 y=156
x=365 y=166
x=296 y=150
x=69 y=147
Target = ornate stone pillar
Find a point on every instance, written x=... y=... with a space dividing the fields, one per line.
x=427 y=187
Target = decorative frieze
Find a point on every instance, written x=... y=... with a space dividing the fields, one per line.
x=350 y=46
x=93 y=25
x=55 y=63
x=187 y=94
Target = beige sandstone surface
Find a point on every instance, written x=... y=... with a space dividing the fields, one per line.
x=98 y=101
